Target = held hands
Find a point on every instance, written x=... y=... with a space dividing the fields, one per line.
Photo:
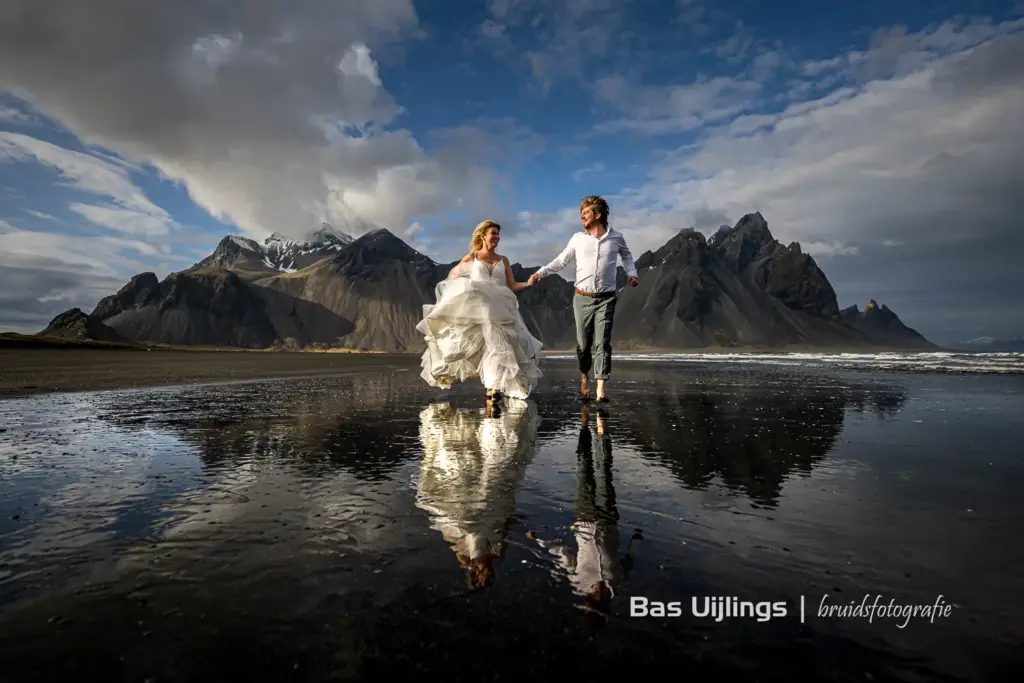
x=633 y=282
x=534 y=279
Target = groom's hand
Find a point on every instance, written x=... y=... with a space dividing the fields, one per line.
x=633 y=282
x=534 y=279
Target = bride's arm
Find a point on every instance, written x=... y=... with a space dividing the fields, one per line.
x=510 y=279
x=460 y=269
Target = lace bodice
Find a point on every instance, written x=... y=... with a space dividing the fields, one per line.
x=488 y=271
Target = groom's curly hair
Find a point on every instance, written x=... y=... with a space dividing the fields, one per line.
x=598 y=204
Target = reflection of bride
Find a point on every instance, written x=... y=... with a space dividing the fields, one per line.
x=475 y=328
x=472 y=467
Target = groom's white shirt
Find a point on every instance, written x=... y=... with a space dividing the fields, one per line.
x=595 y=260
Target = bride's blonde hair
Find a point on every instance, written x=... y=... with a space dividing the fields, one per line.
x=477 y=243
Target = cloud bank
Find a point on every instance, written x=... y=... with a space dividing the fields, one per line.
x=273 y=116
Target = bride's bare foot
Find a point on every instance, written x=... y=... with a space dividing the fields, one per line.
x=585 y=387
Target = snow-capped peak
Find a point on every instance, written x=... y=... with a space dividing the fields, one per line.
x=245 y=243
x=279 y=252
x=327 y=233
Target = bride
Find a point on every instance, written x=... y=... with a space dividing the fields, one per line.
x=475 y=328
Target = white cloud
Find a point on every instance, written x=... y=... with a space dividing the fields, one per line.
x=593 y=169
x=848 y=165
x=734 y=48
x=129 y=210
x=656 y=110
x=829 y=249
x=12 y=115
x=273 y=119
x=43 y=274
x=492 y=30
x=563 y=38
x=42 y=215
x=926 y=156
x=358 y=62
x=97 y=255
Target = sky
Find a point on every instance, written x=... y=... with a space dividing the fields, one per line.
x=887 y=138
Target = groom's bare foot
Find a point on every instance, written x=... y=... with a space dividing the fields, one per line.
x=585 y=387
x=601 y=397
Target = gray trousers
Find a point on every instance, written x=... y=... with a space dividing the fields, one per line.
x=594 y=319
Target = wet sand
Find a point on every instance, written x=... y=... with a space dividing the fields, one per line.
x=34 y=371
x=361 y=526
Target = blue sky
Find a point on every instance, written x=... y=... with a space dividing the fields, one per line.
x=880 y=135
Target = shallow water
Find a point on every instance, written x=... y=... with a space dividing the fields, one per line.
x=952 y=362
x=348 y=527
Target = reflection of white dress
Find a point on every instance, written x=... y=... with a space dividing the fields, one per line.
x=472 y=467
x=475 y=330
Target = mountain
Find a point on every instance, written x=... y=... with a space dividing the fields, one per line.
x=741 y=288
x=277 y=254
x=881 y=326
x=76 y=325
x=991 y=345
x=379 y=284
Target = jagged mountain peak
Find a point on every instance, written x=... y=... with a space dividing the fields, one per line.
x=279 y=253
x=381 y=243
x=685 y=247
x=740 y=288
x=745 y=242
x=76 y=324
x=327 y=232
x=237 y=242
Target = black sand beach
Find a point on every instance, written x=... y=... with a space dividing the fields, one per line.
x=361 y=524
x=34 y=371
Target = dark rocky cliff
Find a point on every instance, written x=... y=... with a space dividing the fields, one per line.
x=741 y=288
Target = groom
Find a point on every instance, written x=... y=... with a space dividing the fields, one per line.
x=595 y=250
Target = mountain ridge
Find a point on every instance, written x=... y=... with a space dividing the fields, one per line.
x=741 y=288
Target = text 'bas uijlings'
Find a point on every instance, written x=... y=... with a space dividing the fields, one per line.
x=717 y=609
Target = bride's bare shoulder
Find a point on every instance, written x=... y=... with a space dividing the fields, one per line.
x=467 y=258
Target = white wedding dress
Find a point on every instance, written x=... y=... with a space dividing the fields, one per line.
x=471 y=471
x=475 y=330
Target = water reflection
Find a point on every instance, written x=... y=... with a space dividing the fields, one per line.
x=751 y=438
x=473 y=464
x=359 y=425
x=595 y=568
x=291 y=524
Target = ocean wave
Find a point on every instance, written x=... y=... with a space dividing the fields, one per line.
x=1002 y=363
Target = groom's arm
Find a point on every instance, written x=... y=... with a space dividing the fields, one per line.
x=627 y=261
x=560 y=262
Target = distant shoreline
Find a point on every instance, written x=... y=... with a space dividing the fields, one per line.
x=11 y=341
x=693 y=351
x=28 y=370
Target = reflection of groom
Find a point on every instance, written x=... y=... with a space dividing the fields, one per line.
x=595 y=569
x=595 y=250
